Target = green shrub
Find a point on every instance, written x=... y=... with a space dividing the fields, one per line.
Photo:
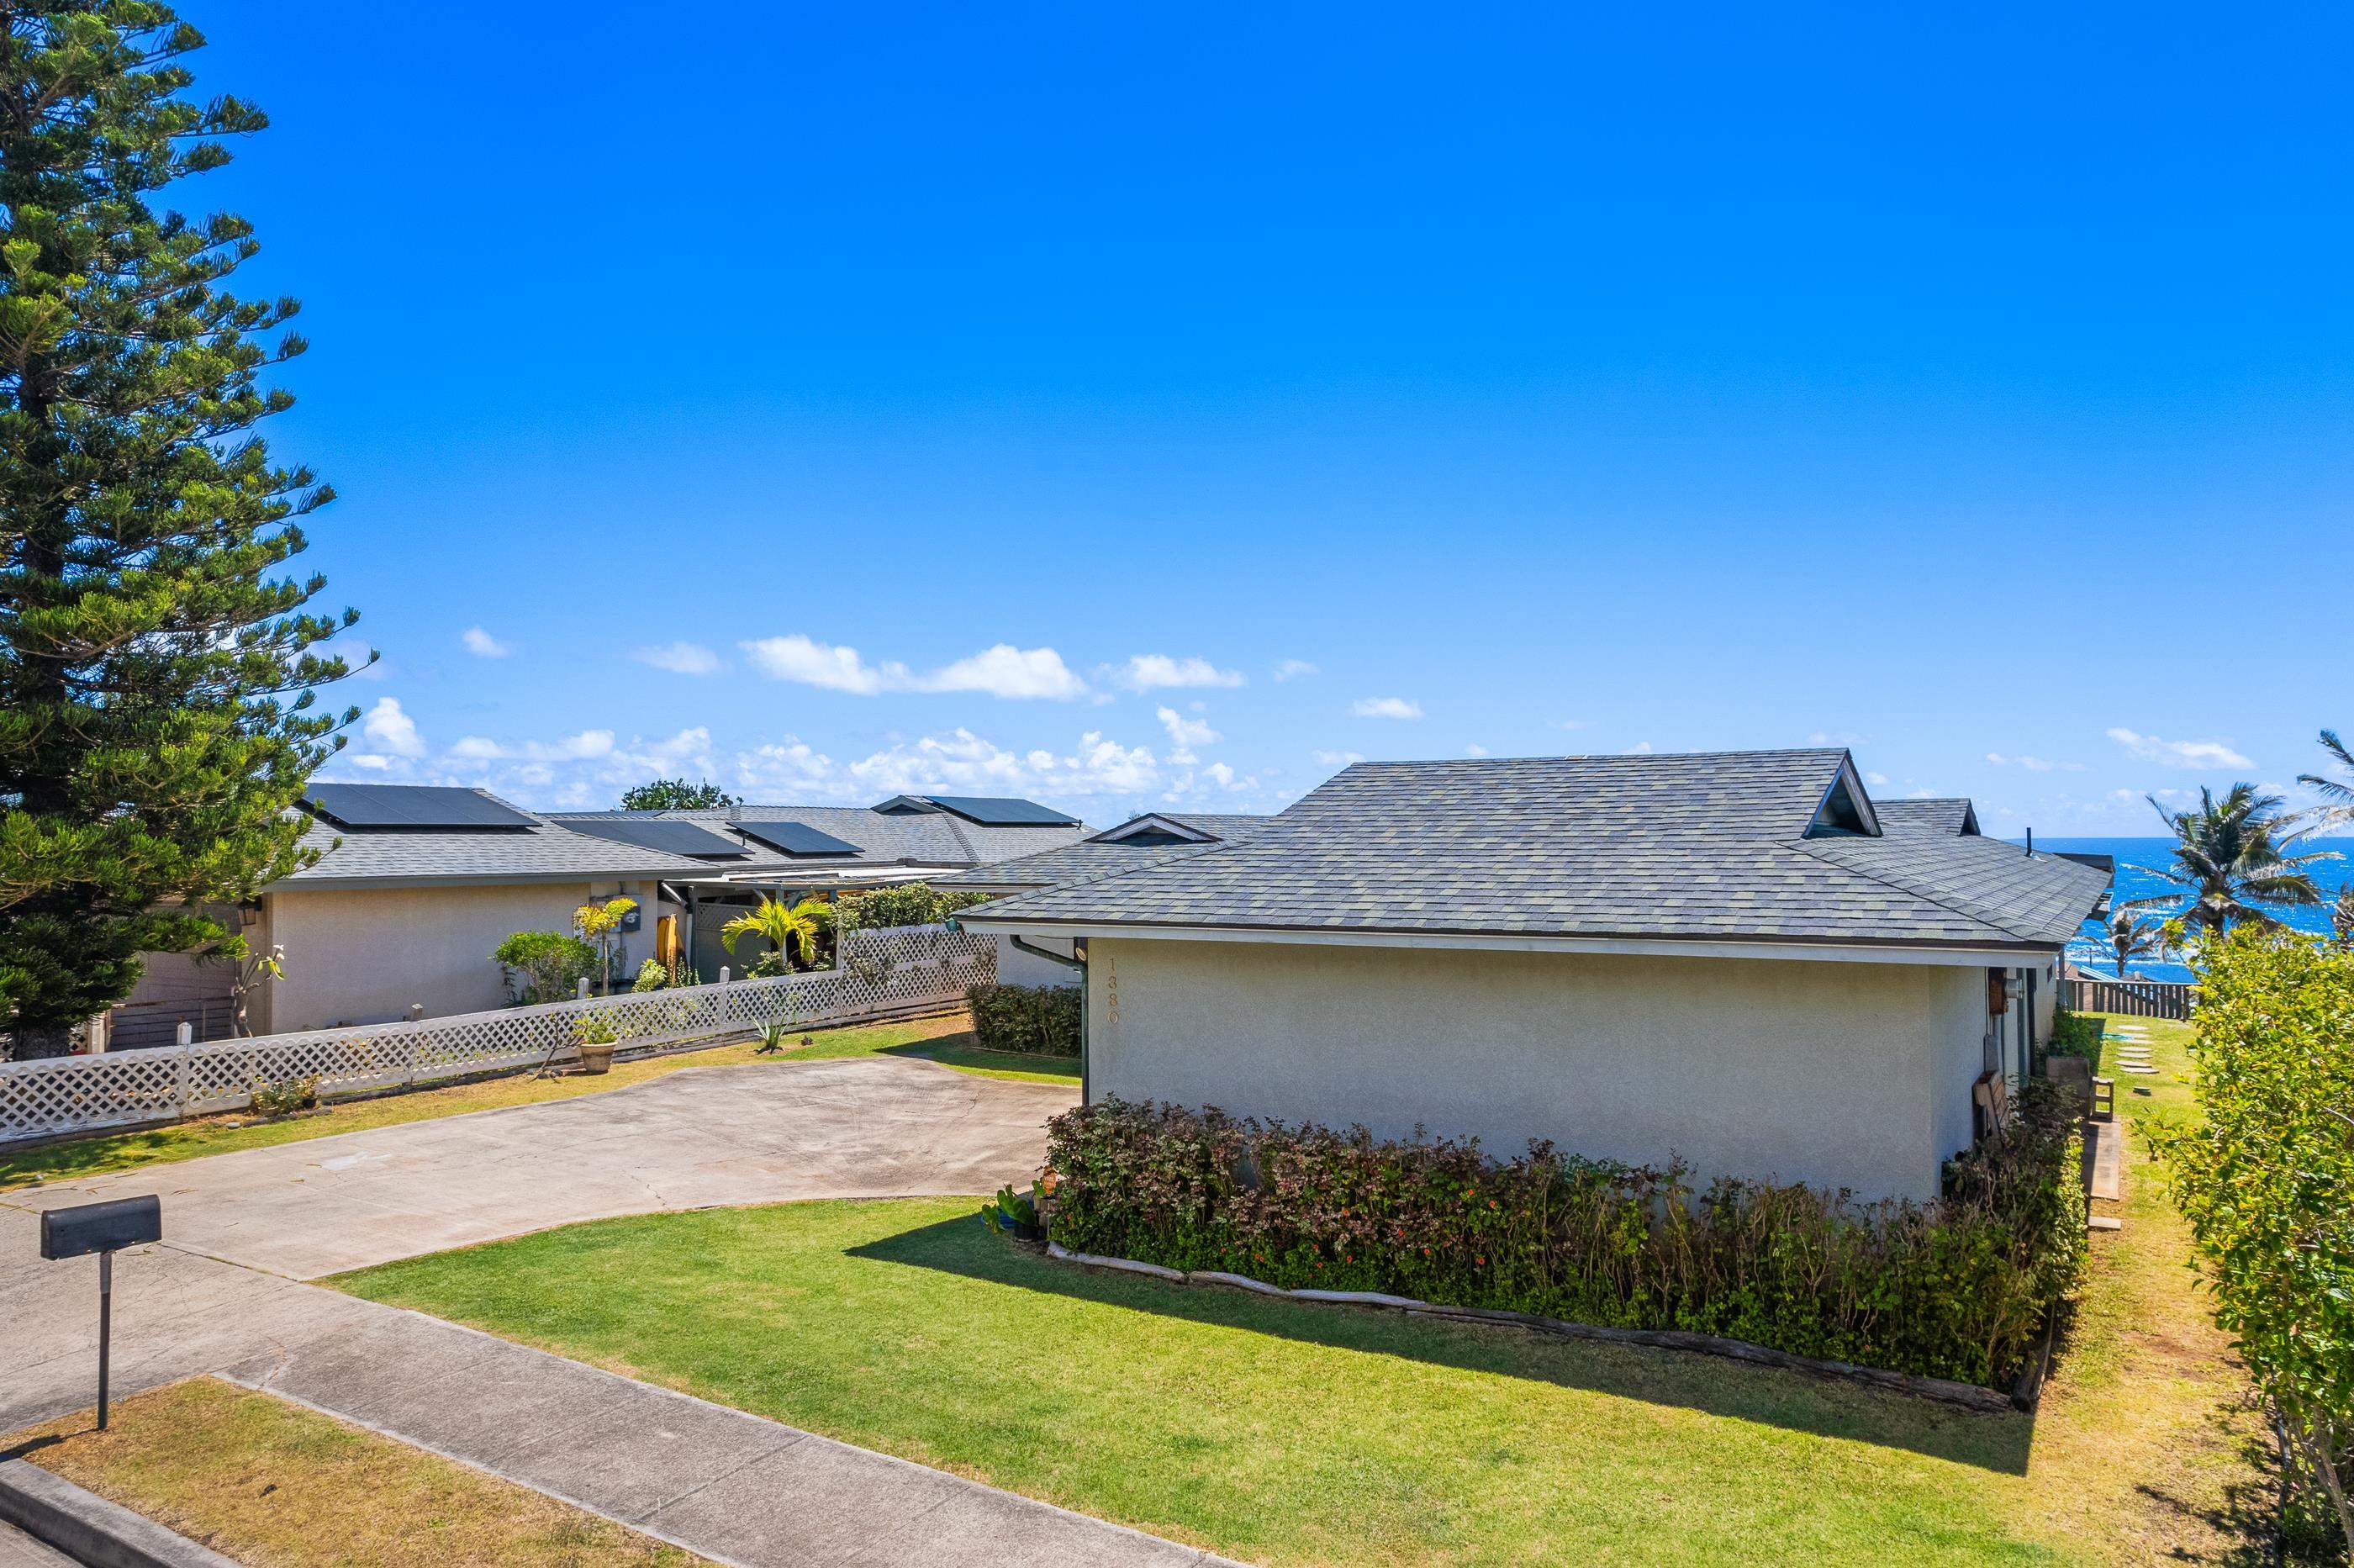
x=286 y=1096
x=2075 y=1035
x=909 y=904
x=2266 y=1179
x=544 y=966
x=651 y=976
x=1958 y=1288
x=1032 y=1020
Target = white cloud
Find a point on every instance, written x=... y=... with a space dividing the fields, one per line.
x=1475 y=749
x=1159 y=672
x=821 y=664
x=482 y=645
x=680 y=658
x=1570 y=724
x=1294 y=670
x=392 y=730
x=1385 y=707
x=1834 y=737
x=374 y=764
x=2202 y=754
x=1875 y=780
x=477 y=749
x=1185 y=735
x=1005 y=670
x=959 y=762
x=1002 y=671
x=1640 y=749
x=2033 y=764
x=1339 y=758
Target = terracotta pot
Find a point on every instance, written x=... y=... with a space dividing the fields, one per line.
x=597 y=1058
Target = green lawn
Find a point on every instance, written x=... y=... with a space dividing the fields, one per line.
x=1288 y=1433
x=946 y=1040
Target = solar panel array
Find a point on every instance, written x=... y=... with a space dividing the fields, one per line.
x=1001 y=811
x=794 y=838
x=669 y=837
x=411 y=806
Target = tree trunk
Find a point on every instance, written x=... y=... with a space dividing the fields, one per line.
x=34 y=1042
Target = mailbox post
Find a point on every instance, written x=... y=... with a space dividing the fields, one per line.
x=102 y=1228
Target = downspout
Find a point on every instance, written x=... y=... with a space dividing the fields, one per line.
x=1087 y=1006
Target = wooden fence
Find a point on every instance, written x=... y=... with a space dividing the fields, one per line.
x=880 y=974
x=2138 y=999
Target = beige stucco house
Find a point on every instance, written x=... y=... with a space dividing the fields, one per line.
x=414 y=885
x=1738 y=959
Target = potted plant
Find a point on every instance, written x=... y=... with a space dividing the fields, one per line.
x=597 y=1038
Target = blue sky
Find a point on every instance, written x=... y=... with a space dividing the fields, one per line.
x=1127 y=406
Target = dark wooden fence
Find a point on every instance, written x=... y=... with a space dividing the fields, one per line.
x=2138 y=999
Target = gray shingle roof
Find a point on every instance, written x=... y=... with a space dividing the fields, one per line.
x=1088 y=860
x=1709 y=846
x=1950 y=816
x=548 y=850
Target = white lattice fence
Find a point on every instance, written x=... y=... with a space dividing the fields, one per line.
x=879 y=973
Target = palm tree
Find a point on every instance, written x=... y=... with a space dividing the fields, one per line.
x=791 y=933
x=2229 y=861
x=2341 y=917
x=2338 y=792
x=2131 y=937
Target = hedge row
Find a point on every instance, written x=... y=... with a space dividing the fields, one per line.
x=1957 y=1288
x=2265 y=1175
x=1032 y=1020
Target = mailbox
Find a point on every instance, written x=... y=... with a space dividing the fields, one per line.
x=101 y=1227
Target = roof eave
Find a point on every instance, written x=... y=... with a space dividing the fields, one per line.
x=1889 y=950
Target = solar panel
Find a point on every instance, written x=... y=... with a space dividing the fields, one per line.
x=411 y=806
x=1001 y=811
x=669 y=837
x=795 y=838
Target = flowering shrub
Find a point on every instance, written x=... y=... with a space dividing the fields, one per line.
x=1958 y=1288
x=1033 y=1020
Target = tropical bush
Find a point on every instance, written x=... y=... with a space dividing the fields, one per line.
x=2266 y=1179
x=1957 y=1288
x=651 y=976
x=286 y=1096
x=2075 y=1035
x=542 y=966
x=1032 y=1020
x=798 y=935
x=909 y=903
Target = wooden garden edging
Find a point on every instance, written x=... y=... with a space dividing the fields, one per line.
x=1968 y=1394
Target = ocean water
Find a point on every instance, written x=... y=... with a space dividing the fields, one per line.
x=2089 y=953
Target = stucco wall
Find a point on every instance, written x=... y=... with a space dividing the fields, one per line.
x=1833 y=1073
x=1016 y=967
x=366 y=955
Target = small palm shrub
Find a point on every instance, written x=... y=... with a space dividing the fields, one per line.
x=1028 y=1020
x=1958 y=1288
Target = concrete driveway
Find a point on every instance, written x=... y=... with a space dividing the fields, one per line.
x=871 y=1126
x=223 y=1295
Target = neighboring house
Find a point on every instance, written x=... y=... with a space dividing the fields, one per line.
x=1154 y=839
x=416 y=885
x=1740 y=959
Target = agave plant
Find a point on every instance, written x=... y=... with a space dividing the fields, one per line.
x=2230 y=861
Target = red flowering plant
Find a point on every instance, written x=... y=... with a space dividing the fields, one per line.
x=1957 y=1288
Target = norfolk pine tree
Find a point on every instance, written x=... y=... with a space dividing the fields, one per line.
x=156 y=682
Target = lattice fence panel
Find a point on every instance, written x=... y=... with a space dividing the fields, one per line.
x=878 y=974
